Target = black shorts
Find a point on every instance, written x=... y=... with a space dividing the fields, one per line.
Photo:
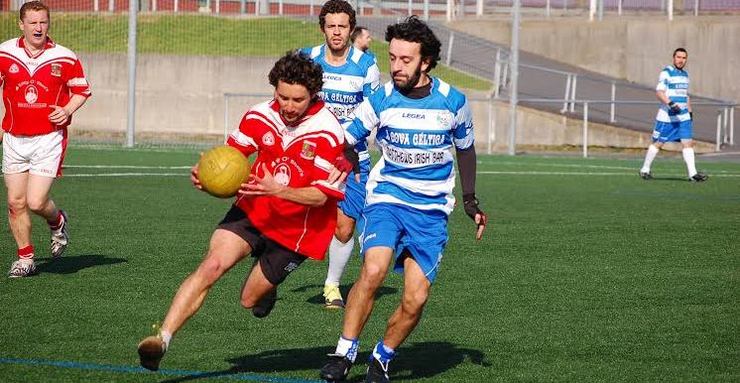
x=276 y=261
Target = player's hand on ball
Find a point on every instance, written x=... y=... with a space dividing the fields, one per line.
x=265 y=185
x=194 y=176
x=470 y=203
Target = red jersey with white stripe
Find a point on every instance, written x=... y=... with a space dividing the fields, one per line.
x=301 y=154
x=32 y=84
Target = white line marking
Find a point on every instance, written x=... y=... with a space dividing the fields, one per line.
x=127 y=175
x=543 y=173
x=123 y=167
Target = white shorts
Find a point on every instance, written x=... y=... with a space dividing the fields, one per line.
x=40 y=155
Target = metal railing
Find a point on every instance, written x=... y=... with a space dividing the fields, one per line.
x=725 y=128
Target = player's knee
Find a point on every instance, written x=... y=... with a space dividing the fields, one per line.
x=36 y=204
x=211 y=269
x=16 y=205
x=344 y=233
x=372 y=276
x=414 y=302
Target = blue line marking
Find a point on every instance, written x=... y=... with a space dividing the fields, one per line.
x=225 y=374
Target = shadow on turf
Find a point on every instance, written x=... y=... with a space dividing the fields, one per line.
x=71 y=265
x=318 y=299
x=415 y=360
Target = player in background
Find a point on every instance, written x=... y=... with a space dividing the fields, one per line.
x=361 y=39
x=349 y=77
x=285 y=214
x=674 y=119
x=43 y=85
x=418 y=118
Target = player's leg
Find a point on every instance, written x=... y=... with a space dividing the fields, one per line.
x=340 y=251
x=359 y=306
x=416 y=289
x=273 y=264
x=421 y=249
x=659 y=138
x=685 y=133
x=225 y=250
x=379 y=237
x=341 y=246
x=40 y=203
x=19 y=220
x=45 y=165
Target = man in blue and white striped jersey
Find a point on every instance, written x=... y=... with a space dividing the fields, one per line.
x=350 y=76
x=674 y=119
x=419 y=118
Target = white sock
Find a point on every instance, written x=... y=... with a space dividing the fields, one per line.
x=649 y=157
x=688 y=157
x=339 y=254
x=348 y=348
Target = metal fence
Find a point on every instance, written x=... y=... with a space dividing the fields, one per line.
x=449 y=9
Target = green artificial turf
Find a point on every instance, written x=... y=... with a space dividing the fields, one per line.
x=586 y=274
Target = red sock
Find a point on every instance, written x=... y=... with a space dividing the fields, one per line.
x=56 y=223
x=26 y=252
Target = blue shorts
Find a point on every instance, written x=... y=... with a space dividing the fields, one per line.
x=421 y=233
x=672 y=131
x=354 y=197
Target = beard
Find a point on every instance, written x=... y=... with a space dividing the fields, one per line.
x=405 y=87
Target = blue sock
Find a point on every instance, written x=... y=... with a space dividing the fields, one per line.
x=383 y=353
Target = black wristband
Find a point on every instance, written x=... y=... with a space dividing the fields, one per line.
x=470 y=204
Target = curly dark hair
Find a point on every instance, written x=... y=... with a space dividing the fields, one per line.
x=298 y=68
x=416 y=31
x=337 y=6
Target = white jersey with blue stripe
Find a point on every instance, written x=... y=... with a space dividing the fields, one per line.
x=675 y=83
x=416 y=137
x=346 y=86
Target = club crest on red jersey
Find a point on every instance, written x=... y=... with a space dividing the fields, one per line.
x=308 y=150
x=13 y=69
x=56 y=70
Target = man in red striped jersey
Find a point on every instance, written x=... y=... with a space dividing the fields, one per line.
x=285 y=214
x=43 y=85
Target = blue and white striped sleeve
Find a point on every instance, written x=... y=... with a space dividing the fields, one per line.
x=363 y=124
x=663 y=81
x=372 y=80
x=462 y=133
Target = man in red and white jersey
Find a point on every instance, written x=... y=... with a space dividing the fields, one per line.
x=287 y=211
x=43 y=85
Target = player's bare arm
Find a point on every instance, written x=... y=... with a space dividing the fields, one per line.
x=267 y=185
x=59 y=115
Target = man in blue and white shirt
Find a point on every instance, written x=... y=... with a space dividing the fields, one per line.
x=674 y=119
x=418 y=118
x=350 y=76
